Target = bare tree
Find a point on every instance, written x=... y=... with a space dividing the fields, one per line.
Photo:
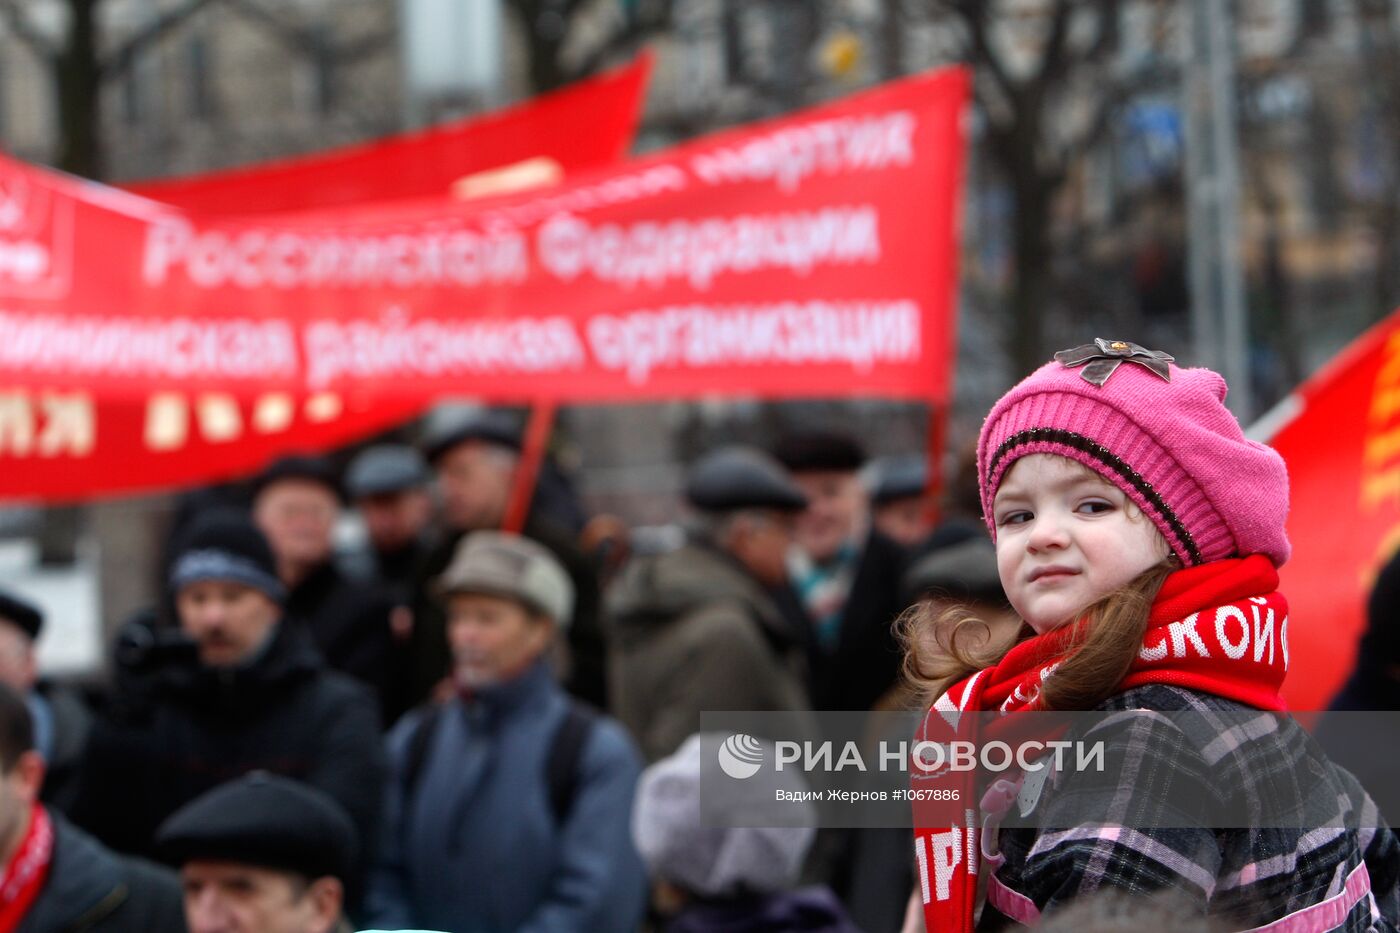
x=79 y=64
x=550 y=31
x=1046 y=98
x=1381 y=55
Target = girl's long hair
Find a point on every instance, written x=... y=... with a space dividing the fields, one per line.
x=941 y=647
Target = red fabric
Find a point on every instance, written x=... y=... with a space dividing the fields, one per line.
x=27 y=871
x=1219 y=628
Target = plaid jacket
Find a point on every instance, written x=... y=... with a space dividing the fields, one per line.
x=1341 y=872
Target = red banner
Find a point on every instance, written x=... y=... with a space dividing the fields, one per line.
x=810 y=256
x=1343 y=452
x=586 y=125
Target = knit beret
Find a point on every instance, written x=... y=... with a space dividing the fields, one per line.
x=1169 y=444
x=266 y=821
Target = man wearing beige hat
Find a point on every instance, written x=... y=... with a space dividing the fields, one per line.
x=509 y=805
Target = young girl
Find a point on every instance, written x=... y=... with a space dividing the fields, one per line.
x=1138 y=536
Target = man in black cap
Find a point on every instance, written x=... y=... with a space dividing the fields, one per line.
x=846 y=573
x=53 y=876
x=296 y=503
x=61 y=718
x=261 y=854
x=250 y=692
x=475 y=459
x=899 y=500
x=388 y=485
x=697 y=628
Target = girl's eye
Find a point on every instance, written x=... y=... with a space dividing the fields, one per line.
x=1015 y=518
x=1096 y=507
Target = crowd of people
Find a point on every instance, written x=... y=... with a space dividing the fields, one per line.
x=458 y=728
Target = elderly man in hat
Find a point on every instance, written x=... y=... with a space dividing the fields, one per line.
x=508 y=806
x=475 y=459
x=698 y=628
x=61 y=718
x=389 y=486
x=244 y=691
x=261 y=854
x=296 y=503
x=54 y=876
x=846 y=572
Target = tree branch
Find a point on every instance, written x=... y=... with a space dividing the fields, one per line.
x=121 y=58
x=25 y=31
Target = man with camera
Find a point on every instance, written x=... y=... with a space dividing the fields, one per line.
x=237 y=691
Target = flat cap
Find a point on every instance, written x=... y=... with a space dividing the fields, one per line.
x=22 y=613
x=496 y=563
x=741 y=478
x=298 y=466
x=898 y=478
x=385 y=468
x=266 y=821
x=490 y=425
x=813 y=451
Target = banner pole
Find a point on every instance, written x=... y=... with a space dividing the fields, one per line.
x=527 y=471
x=937 y=438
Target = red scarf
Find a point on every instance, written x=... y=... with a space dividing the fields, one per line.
x=27 y=871
x=1219 y=628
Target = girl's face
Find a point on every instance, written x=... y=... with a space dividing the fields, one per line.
x=1065 y=538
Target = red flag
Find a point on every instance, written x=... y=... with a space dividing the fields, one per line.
x=1342 y=446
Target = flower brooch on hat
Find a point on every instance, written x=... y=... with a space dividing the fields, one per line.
x=1103 y=357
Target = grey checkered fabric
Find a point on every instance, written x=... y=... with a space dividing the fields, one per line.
x=1339 y=873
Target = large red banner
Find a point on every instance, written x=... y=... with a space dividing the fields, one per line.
x=809 y=256
x=583 y=126
x=1342 y=446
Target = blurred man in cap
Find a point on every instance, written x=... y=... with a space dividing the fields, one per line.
x=899 y=500
x=296 y=503
x=251 y=693
x=846 y=572
x=55 y=877
x=61 y=718
x=388 y=485
x=261 y=854
x=509 y=805
x=697 y=628
x=475 y=459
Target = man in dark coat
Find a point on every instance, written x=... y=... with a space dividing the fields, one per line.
x=60 y=715
x=262 y=854
x=388 y=485
x=475 y=460
x=296 y=503
x=847 y=574
x=55 y=877
x=245 y=691
x=697 y=628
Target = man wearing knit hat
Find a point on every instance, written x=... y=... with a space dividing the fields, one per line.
x=250 y=693
x=698 y=628
x=296 y=503
x=509 y=806
x=846 y=572
x=261 y=854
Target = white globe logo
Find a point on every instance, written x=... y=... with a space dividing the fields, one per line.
x=741 y=756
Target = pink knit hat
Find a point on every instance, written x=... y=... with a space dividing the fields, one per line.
x=1160 y=433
